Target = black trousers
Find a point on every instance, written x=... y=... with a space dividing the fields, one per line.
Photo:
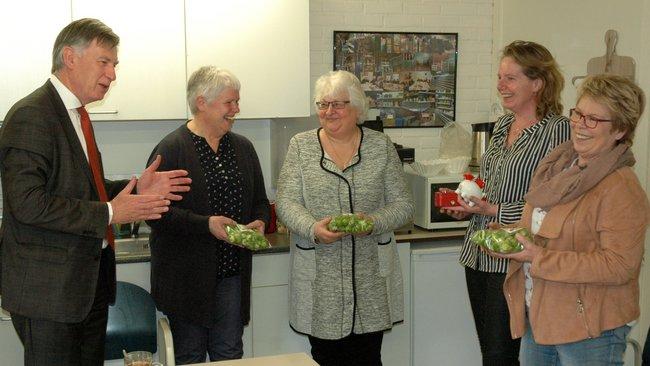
x=68 y=344
x=491 y=318
x=353 y=350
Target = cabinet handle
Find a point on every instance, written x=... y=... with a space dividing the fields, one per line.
x=102 y=112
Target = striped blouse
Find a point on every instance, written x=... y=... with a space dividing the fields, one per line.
x=507 y=172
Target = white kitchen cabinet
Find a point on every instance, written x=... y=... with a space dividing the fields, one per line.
x=137 y=273
x=28 y=29
x=265 y=44
x=271 y=333
x=11 y=350
x=396 y=347
x=151 y=77
x=443 y=331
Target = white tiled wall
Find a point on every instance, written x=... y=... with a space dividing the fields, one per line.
x=471 y=19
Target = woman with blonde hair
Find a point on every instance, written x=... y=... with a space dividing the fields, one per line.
x=574 y=290
x=529 y=84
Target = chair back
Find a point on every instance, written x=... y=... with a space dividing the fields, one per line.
x=131 y=322
x=165 y=343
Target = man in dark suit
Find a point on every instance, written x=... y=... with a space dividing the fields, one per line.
x=58 y=265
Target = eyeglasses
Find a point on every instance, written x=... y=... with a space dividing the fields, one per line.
x=590 y=121
x=323 y=106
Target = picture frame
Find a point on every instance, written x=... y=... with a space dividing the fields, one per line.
x=409 y=77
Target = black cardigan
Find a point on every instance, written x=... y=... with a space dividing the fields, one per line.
x=183 y=265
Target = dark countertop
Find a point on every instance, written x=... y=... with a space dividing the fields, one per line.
x=134 y=250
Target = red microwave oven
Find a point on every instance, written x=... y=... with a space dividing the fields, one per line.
x=427 y=215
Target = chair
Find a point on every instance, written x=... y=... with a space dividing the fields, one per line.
x=131 y=322
x=165 y=343
x=636 y=349
x=646 y=350
x=639 y=358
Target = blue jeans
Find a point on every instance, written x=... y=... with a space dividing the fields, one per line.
x=223 y=340
x=608 y=349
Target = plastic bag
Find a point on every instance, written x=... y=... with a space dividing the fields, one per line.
x=501 y=240
x=455 y=141
x=242 y=236
x=350 y=223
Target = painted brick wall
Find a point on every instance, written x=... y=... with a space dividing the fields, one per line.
x=471 y=19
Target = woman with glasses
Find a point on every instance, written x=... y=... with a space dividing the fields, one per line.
x=199 y=280
x=573 y=292
x=346 y=290
x=529 y=83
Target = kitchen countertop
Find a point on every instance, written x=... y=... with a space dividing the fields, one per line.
x=133 y=250
x=293 y=359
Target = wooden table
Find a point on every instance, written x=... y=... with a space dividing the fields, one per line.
x=291 y=359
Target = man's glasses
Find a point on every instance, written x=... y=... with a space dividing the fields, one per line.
x=323 y=106
x=590 y=121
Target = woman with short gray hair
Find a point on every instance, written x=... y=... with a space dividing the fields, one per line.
x=199 y=280
x=346 y=289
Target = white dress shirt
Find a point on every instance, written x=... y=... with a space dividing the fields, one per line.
x=71 y=103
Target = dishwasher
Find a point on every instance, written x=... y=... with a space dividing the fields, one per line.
x=443 y=331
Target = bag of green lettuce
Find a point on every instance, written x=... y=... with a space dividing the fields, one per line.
x=248 y=238
x=501 y=240
x=351 y=224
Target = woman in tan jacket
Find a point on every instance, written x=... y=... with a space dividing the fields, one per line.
x=574 y=291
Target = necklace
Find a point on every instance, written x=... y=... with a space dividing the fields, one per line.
x=342 y=162
x=517 y=130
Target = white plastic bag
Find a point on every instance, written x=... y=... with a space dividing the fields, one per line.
x=455 y=141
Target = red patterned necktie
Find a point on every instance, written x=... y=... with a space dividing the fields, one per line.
x=95 y=165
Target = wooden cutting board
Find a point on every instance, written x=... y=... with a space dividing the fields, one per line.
x=611 y=63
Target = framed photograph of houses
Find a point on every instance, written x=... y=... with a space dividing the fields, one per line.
x=409 y=78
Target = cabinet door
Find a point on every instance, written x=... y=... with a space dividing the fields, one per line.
x=28 y=29
x=264 y=43
x=11 y=350
x=150 y=81
x=443 y=327
x=272 y=334
x=396 y=346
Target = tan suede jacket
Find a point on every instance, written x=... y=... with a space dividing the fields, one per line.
x=586 y=278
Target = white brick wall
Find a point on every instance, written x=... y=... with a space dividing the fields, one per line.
x=471 y=19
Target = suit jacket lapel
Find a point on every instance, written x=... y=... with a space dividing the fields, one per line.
x=71 y=135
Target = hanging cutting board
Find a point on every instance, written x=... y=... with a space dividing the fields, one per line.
x=610 y=63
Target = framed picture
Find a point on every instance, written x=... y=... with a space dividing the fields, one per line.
x=410 y=78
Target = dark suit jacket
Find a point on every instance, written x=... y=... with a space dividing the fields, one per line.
x=53 y=222
x=183 y=251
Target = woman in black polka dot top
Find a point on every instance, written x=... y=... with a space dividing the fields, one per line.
x=201 y=282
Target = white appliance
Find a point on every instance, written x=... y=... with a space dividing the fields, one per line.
x=11 y=350
x=427 y=216
x=442 y=329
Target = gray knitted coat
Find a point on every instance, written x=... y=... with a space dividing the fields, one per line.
x=353 y=285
